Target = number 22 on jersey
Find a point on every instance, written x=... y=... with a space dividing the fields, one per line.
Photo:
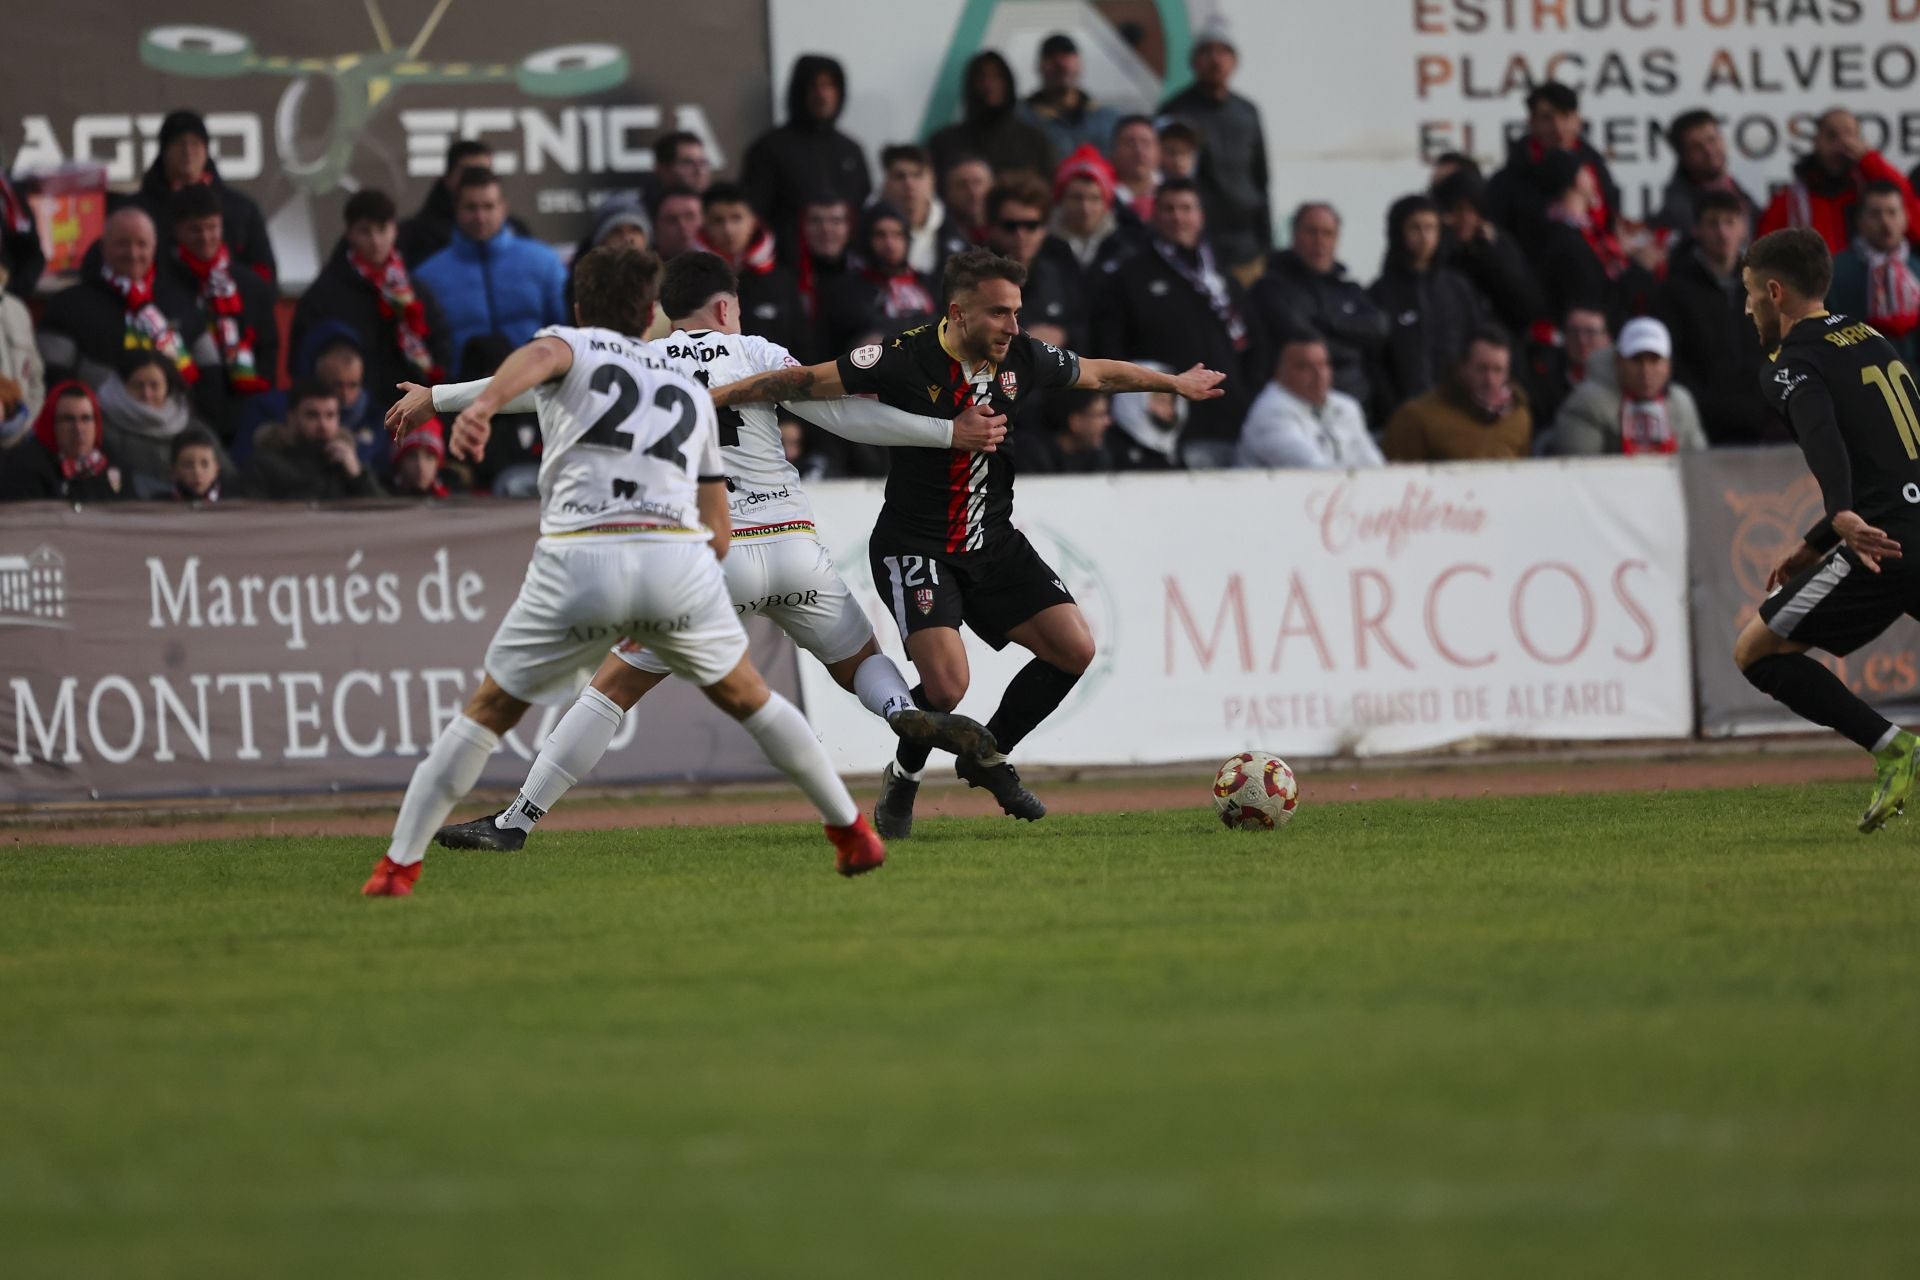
x=611 y=425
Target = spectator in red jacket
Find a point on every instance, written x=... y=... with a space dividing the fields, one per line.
x=1826 y=186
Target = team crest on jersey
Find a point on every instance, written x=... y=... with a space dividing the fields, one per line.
x=923 y=599
x=866 y=357
x=1009 y=384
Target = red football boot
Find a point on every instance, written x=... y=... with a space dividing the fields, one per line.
x=856 y=850
x=391 y=880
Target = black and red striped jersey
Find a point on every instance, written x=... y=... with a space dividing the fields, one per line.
x=949 y=500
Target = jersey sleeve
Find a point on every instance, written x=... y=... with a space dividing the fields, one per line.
x=1802 y=398
x=872 y=369
x=764 y=356
x=1053 y=366
x=452 y=397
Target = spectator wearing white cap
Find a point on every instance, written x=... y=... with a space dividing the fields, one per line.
x=1233 y=153
x=1630 y=405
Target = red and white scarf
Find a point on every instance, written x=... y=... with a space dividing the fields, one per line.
x=901 y=293
x=400 y=304
x=148 y=326
x=226 y=313
x=1893 y=292
x=1645 y=427
x=91 y=463
x=756 y=260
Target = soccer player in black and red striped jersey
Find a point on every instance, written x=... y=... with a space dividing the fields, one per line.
x=944 y=550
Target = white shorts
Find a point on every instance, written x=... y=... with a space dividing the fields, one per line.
x=792 y=581
x=581 y=595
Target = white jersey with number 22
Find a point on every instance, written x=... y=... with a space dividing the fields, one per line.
x=625 y=440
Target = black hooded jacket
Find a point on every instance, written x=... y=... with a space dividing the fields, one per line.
x=996 y=134
x=1292 y=298
x=241 y=224
x=1433 y=313
x=804 y=159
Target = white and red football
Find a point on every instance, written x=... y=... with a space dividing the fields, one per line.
x=1254 y=791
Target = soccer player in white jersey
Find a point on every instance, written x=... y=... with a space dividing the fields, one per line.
x=777 y=566
x=633 y=515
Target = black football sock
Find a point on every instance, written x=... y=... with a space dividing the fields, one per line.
x=1031 y=696
x=1814 y=693
x=910 y=757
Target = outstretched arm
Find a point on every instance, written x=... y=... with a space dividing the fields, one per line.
x=805 y=382
x=541 y=360
x=978 y=430
x=452 y=397
x=1197 y=383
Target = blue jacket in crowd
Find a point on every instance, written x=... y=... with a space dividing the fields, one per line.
x=510 y=285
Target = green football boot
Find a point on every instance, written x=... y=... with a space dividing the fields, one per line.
x=1896 y=766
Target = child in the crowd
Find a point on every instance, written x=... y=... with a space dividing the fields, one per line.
x=416 y=462
x=196 y=465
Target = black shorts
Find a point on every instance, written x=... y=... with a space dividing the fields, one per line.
x=992 y=590
x=1839 y=604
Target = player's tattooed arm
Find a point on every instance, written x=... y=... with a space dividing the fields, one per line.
x=1197 y=383
x=803 y=382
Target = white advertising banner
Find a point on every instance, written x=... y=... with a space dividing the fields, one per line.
x=1357 y=98
x=1323 y=613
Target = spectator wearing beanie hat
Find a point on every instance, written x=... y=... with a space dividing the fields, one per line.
x=184 y=160
x=1083 y=212
x=417 y=460
x=900 y=297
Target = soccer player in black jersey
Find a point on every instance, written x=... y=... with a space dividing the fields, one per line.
x=1851 y=404
x=944 y=550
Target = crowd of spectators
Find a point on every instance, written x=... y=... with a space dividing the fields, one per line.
x=1515 y=312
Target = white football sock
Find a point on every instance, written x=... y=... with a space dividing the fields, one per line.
x=881 y=688
x=788 y=741
x=571 y=750
x=441 y=781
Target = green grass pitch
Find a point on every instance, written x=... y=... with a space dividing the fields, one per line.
x=1641 y=1035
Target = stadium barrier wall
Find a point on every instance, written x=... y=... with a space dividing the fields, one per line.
x=153 y=651
x=156 y=652
x=1317 y=613
x=1746 y=509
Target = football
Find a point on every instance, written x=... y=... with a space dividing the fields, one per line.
x=1254 y=791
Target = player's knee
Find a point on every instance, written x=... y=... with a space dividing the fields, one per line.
x=1076 y=655
x=942 y=693
x=494 y=708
